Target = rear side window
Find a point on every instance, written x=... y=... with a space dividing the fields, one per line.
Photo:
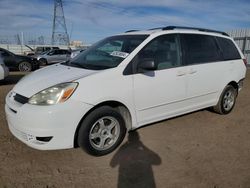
x=228 y=48
x=200 y=49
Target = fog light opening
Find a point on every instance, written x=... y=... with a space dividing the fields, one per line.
x=44 y=139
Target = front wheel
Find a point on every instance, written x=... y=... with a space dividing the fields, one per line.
x=25 y=67
x=102 y=131
x=227 y=100
x=43 y=62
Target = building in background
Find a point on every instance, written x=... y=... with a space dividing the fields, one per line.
x=76 y=43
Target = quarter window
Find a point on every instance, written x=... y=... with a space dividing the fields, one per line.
x=228 y=48
x=163 y=50
x=200 y=49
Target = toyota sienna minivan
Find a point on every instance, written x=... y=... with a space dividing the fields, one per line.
x=122 y=83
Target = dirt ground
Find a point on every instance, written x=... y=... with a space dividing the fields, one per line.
x=201 y=149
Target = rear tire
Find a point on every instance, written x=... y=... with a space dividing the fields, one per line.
x=227 y=100
x=102 y=131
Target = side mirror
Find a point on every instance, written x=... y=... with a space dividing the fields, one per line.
x=146 y=65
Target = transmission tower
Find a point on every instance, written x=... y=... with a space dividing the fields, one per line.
x=59 y=31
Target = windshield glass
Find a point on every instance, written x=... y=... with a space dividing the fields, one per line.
x=107 y=53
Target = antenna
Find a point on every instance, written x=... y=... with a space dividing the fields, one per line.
x=59 y=30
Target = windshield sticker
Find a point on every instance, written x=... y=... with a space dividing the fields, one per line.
x=119 y=54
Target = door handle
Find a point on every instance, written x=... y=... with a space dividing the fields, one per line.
x=181 y=73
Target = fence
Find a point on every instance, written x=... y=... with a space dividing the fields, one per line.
x=242 y=38
x=20 y=49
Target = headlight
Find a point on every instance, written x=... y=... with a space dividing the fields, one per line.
x=53 y=95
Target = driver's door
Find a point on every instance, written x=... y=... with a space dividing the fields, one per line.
x=161 y=93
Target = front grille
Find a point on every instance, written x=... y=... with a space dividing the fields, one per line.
x=21 y=99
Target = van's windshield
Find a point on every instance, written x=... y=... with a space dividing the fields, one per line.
x=107 y=53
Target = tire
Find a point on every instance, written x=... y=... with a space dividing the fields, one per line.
x=25 y=66
x=102 y=131
x=227 y=100
x=43 y=62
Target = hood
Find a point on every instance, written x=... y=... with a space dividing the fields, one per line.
x=22 y=56
x=49 y=76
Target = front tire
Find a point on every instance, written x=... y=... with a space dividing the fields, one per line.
x=101 y=131
x=43 y=62
x=25 y=66
x=227 y=100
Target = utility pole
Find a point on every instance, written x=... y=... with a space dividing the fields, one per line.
x=59 y=30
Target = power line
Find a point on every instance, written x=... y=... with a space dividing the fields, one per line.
x=59 y=30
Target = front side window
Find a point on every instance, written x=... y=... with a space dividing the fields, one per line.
x=107 y=53
x=163 y=50
x=61 y=52
x=200 y=48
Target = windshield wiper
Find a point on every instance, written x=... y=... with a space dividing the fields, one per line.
x=76 y=64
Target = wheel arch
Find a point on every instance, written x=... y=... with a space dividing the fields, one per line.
x=120 y=107
x=234 y=84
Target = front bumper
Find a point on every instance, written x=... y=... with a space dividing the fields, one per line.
x=35 y=64
x=33 y=124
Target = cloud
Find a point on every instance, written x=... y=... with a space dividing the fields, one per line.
x=90 y=20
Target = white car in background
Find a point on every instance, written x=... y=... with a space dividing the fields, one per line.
x=76 y=52
x=4 y=71
x=122 y=83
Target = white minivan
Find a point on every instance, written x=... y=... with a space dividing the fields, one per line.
x=124 y=82
x=4 y=71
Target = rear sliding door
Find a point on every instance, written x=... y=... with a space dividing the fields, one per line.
x=205 y=68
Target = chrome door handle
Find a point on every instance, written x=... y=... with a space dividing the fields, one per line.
x=181 y=73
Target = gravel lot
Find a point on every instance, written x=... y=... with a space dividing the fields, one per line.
x=201 y=149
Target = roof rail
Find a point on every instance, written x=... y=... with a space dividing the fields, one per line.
x=194 y=28
x=156 y=28
x=130 y=31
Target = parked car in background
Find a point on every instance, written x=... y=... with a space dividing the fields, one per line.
x=39 y=50
x=4 y=71
x=18 y=62
x=74 y=53
x=53 y=56
x=124 y=82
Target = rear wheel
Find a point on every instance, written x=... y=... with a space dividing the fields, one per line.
x=25 y=67
x=227 y=100
x=101 y=131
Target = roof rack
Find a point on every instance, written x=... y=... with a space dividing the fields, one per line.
x=194 y=28
x=130 y=31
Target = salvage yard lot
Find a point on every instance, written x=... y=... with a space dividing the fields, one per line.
x=201 y=149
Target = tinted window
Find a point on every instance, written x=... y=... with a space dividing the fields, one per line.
x=59 y=52
x=52 y=52
x=200 y=48
x=228 y=49
x=39 y=49
x=163 y=50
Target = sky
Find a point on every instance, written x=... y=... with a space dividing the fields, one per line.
x=92 y=20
